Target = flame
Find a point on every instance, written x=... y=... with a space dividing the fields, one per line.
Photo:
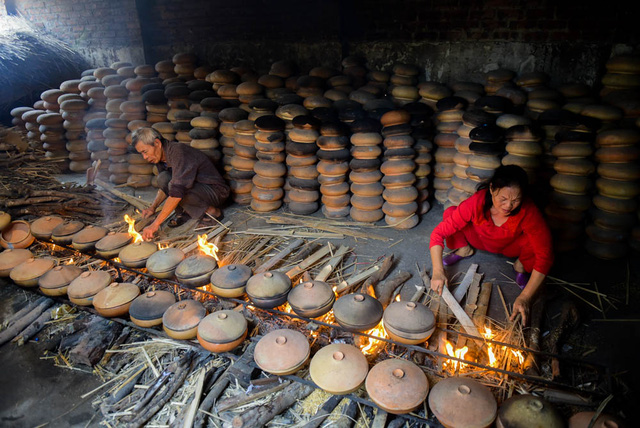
x=287 y=308
x=162 y=246
x=71 y=261
x=207 y=248
x=488 y=334
x=117 y=260
x=458 y=353
x=519 y=356
x=132 y=230
x=372 y=345
x=398 y=298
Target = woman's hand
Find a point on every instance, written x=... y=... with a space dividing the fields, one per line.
x=438 y=282
x=149 y=231
x=521 y=306
x=148 y=212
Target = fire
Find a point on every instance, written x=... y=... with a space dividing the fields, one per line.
x=519 y=356
x=132 y=230
x=162 y=246
x=458 y=353
x=71 y=261
x=207 y=248
x=488 y=334
x=372 y=345
x=398 y=298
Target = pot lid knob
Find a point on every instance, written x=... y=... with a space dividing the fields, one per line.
x=231 y=267
x=536 y=405
x=31 y=260
x=358 y=298
x=268 y=275
x=57 y=268
x=111 y=233
x=150 y=294
x=411 y=306
x=308 y=284
x=464 y=390
x=281 y=340
x=399 y=373
x=85 y=274
x=222 y=316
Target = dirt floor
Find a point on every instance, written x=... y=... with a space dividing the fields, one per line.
x=33 y=391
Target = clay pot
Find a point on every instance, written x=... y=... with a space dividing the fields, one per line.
x=82 y=289
x=29 y=272
x=148 y=309
x=12 y=258
x=230 y=280
x=269 y=289
x=527 y=410
x=180 y=320
x=582 y=420
x=135 y=255
x=43 y=227
x=397 y=386
x=409 y=322
x=109 y=246
x=358 y=312
x=222 y=331
x=115 y=299
x=16 y=235
x=282 y=352
x=57 y=280
x=450 y=395
x=339 y=368
x=311 y=299
x=5 y=220
x=86 y=238
x=195 y=271
x=162 y=264
x=63 y=233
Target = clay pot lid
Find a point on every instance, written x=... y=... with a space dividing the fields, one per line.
x=450 y=395
x=409 y=317
x=59 y=276
x=231 y=276
x=582 y=420
x=358 y=311
x=67 y=228
x=184 y=315
x=397 y=385
x=268 y=284
x=151 y=305
x=222 y=327
x=5 y=220
x=339 y=368
x=528 y=410
x=90 y=234
x=113 y=241
x=311 y=295
x=281 y=351
x=32 y=268
x=115 y=294
x=43 y=227
x=165 y=260
x=88 y=284
x=12 y=258
x=137 y=251
x=196 y=265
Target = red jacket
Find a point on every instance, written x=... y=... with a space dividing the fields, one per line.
x=528 y=223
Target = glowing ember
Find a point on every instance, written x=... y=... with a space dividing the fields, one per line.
x=287 y=308
x=398 y=298
x=207 y=248
x=71 y=261
x=371 y=346
x=162 y=246
x=132 y=230
x=458 y=353
x=488 y=334
x=519 y=356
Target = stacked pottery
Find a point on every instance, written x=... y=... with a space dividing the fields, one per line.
x=378 y=79
x=30 y=119
x=301 y=147
x=432 y=92
x=96 y=146
x=155 y=103
x=220 y=78
x=487 y=147
x=262 y=107
x=17 y=120
x=179 y=113
x=52 y=137
x=228 y=117
x=470 y=91
x=340 y=87
x=270 y=169
x=50 y=100
x=333 y=168
x=447 y=119
x=618 y=186
x=118 y=149
x=572 y=183
x=496 y=79
x=403 y=81
x=366 y=188
x=623 y=74
x=243 y=160
x=73 y=108
x=204 y=136
x=165 y=69
x=185 y=64
x=398 y=168
x=355 y=67
x=97 y=100
x=423 y=146
x=271 y=84
x=524 y=149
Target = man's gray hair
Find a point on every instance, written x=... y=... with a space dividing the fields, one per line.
x=145 y=136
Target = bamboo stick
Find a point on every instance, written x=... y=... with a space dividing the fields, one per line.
x=461 y=315
x=330 y=266
x=278 y=257
x=210 y=235
x=356 y=278
x=310 y=261
x=138 y=203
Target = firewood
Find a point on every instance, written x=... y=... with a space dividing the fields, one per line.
x=569 y=318
x=255 y=394
x=221 y=382
x=386 y=288
x=380 y=420
x=385 y=267
x=22 y=312
x=330 y=266
x=310 y=261
x=324 y=411
x=530 y=366
x=33 y=328
x=278 y=257
x=346 y=285
x=483 y=303
x=347 y=416
x=23 y=322
x=138 y=203
x=461 y=315
x=124 y=335
x=94 y=341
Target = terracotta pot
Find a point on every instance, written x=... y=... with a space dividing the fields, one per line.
x=450 y=395
x=86 y=238
x=527 y=410
x=230 y=280
x=29 y=272
x=180 y=320
x=195 y=271
x=63 y=233
x=5 y=220
x=109 y=246
x=162 y=264
x=56 y=281
x=268 y=289
x=148 y=309
x=12 y=258
x=282 y=352
x=582 y=420
x=42 y=227
x=16 y=235
x=222 y=331
x=357 y=312
x=311 y=299
x=397 y=386
x=408 y=322
x=136 y=254
x=115 y=299
x=339 y=368
x=82 y=289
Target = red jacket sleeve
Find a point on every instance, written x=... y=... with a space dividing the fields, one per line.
x=537 y=231
x=460 y=216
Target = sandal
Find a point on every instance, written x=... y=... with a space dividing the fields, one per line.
x=179 y=220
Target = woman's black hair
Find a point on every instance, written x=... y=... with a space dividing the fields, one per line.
x=506 y=176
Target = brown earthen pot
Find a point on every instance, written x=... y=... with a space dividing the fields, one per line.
x=109 y=246
x=57 y=280
x=136 y=254
x=82 y=289
x=115 y=299
x=86 y=239
x=12 y=258
x=311 y=299
x=230 y=280
x=5 y=220
x=27 y=273
x=268 y=289
x=582 y=420
x=16 y=235
x=408 y=322
x=357 y=312
x=339 y=368
x=282 y=352
x=42 y=227
x=63 y=233
x=397 y=386
x=528 y=410
x=450 y=395
x=222 y=331
x=195 y=271
x=148 y=309
x=180 y=320
x=162 y=264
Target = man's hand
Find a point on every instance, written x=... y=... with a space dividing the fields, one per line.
x=438 y=282
x=521 y=306
x=148 y=212
x=149 y=231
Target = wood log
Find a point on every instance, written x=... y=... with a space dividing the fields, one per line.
x=569 y=318
x=347 y=416
x=330 y=266
x=192 y=408
x=355 y=279
x=480 y=313
x=462 y=288
x=242 y=368
x=530 y=365
x=386 y=288
x=466 y=322
x=324 y=411
x=310 y=261
x=94 y=341
x=32 y=329
x=269 y=264
x=221 y=381
x=247 y=258
x=22 y=312
x=138 y=203
x=380 y=420
x=373 y=280
x=259 y=416
x=20 y=324
x=470 y=305
x=124 y=334
x=255 y=394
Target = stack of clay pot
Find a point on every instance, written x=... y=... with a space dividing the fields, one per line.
x=447 y=119
x=403 y=84
x=155 y=103
x=339 y=88
x=302 y=182
x=96 y=146
x=141 y=172
x=366 y=188
x=72 y=108
x=487 y=147
x=118 y=148
x=179 y=113
x=221 y=78
x=623 y=74
x=262 y=107
x=496 y=79
x=470 y=91
x=398 y=168
x=52 y=137
x=247 y=92
x=165 y=69
x=618 y=187
x=229 y=93
x=115 y=95
x=185 y=65
x=524 y=149
x=355 y=67
x=228 y=117
x=378 y=79
x=572 y=184
x=271 y=84
x=270 y=169
x=243 y=160
x=204 y=136
x=30 y=119
x=93 y=92
x=212 y=106
x=422 y=134
x=16 y=114
x=432 y=92
x=333 y=167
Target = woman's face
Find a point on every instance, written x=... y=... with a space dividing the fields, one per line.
x=506 y=199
